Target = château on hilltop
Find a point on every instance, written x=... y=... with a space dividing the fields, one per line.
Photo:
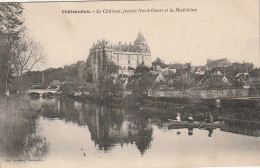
x=126 y=56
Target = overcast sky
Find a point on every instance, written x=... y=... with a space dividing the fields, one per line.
x=219 y=29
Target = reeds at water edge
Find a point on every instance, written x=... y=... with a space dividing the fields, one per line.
x=18 y=130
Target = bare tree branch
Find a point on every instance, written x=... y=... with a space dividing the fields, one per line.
x=27 y=55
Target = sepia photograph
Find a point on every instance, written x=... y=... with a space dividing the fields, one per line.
x=129 y=84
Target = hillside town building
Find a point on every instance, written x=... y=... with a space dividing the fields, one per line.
x=126 y=56
x=217 y=63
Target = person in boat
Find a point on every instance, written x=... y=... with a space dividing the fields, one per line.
x=210 y=118
x=190 y=119
x=178 y=118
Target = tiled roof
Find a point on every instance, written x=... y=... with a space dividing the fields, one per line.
x=131 y=48
x=215 y=80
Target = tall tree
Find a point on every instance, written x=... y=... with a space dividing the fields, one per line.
x=106 y=69
x=27 y=54
x=139 y=84
x=11 y=26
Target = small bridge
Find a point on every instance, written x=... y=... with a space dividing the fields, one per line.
x=40 y=92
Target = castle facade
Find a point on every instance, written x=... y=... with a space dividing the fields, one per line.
x=125 y=56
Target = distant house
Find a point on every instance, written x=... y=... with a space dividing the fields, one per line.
x=157 y=64
x=215 y=81
x=167 y=71
x=217 y=63
x=160 y=78
x=217 y=71
x=217 y=84
x=199 y=72
x=55 y=83
x=242 y=79
x=242 y=67
x=242 y=75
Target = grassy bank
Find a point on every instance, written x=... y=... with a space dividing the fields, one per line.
x=198 y=110
x=168 y=108
x=18 y=130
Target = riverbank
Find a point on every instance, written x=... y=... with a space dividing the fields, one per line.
x=198 y=108
x=91 y=131
x=18 y=130
x=199 y=111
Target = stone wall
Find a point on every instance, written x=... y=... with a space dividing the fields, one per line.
x=221 y=93
x=201 y=93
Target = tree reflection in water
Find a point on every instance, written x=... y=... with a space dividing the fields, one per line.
x=108 y=126
x=144 y=138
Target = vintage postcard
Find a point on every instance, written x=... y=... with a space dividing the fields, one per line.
x=129 y=84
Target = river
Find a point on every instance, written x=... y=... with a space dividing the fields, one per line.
x=90 y=135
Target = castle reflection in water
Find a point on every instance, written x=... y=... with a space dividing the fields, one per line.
x=116 y=126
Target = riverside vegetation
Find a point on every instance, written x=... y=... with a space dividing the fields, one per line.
x=19 y=139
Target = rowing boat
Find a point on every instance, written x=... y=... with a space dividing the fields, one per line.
x=174 y=124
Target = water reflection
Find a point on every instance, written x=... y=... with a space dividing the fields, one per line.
x=190 y=131
x=210 y=132
x=242 y=128
x=90 y=135
x=108 y=126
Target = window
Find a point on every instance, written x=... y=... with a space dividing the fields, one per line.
x=137 y=61
x=128 y=61
x=117 y=57
x=143 y=62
